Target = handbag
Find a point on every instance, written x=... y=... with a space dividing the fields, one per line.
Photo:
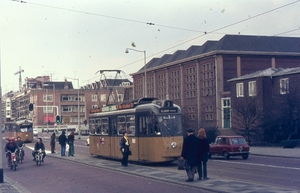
x=129 y=152
x=181 y=164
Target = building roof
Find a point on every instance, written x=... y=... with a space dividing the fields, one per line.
x=269 y=72
x=233 y=43
x=53 y=85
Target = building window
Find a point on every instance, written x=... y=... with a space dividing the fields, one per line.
x=239 y=90
x=284 y=86
x=226 y=114
x=47 y=98
x=252 y=88
x=94 y=98
x=48 y=109
x=103 y=97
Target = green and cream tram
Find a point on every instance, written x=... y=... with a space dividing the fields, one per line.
x=154 y=129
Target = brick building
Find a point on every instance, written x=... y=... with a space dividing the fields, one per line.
x=60 y=98
x=271 y=94
x=196 y=78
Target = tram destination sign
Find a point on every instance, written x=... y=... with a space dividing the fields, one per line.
x=168 y=110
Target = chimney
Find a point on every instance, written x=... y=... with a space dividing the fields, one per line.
x=66 y=86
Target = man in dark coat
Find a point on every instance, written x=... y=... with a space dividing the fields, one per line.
x=190 y=151
x=62 y=141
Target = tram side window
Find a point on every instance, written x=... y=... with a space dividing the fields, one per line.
x=130 y=125
x=92 y=126
x=121 y=125
x=98 y=126
x=146 y=125
x=104 y=126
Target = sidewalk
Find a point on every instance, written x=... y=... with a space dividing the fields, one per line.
x=176 y=176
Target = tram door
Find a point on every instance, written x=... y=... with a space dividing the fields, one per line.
x=143 y=139
x=114 y=147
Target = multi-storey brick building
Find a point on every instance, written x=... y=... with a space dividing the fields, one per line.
x=60 y=98
x=196 y=78
x=267 y=96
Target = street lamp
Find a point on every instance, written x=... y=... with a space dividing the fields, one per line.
x=145 y=73
x=78 y=114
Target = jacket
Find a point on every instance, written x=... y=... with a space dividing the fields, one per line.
x=203 y=150
x=62 y=139
x=71 y=138
x=190 y=150
x=11 y=147
x=123 y=145
x=38 y=146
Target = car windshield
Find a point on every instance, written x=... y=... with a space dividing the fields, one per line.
x=238 y=140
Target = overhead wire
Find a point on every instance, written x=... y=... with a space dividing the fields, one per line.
x=165 y=26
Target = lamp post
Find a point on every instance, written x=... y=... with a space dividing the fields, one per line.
x=1 y=164
x=145 y=73
x=78 y=114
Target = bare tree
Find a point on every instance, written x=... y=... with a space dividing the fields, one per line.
x=246 y=116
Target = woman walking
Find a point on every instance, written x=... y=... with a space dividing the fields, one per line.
x=124 y=147
x=52 y=142
x=71 y=139
x=203 y=154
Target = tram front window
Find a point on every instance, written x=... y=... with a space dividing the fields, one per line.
x=168 y=125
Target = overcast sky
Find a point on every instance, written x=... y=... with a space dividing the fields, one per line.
x=77 y=38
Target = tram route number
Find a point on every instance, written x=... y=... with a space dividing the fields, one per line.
x=168 y=110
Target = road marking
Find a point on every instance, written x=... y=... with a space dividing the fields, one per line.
x=263 y=165
x=32 y=148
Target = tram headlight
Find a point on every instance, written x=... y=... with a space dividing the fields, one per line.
x=173 y=145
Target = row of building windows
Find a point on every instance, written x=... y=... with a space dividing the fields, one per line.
x=175 y=88
x=209 y=92
x=175 y=74
x=209 y=108
x=190 y=70
x=175 y=81
x=191 y=78
x=252 y=90
x=208 y=83
x=191 y=94
x=175 y=95
x=208 y=75
x=161 y=76
x=207 y=67
x=208 y=116
x=191 y=109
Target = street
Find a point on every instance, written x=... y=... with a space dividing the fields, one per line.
x=61 y=175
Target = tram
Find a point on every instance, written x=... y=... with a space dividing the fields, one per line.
x=22 y=128
x=154 y=130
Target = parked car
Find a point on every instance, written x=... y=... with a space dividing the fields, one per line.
x=35 y=132
x=228 y=146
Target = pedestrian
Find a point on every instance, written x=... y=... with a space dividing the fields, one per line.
x=52 y=142
x=62 y=141
x=203 y=154
x=124 y=147
x=190 y=151
x=71 y=139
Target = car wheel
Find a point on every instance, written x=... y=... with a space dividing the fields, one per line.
x=245 y=156
x=226 y=155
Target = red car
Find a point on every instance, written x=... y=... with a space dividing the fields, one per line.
x=227 y=146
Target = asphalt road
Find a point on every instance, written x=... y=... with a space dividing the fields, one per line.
x=57 y=175
x=276 y=171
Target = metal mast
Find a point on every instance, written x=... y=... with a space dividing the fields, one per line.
x=20 y=77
